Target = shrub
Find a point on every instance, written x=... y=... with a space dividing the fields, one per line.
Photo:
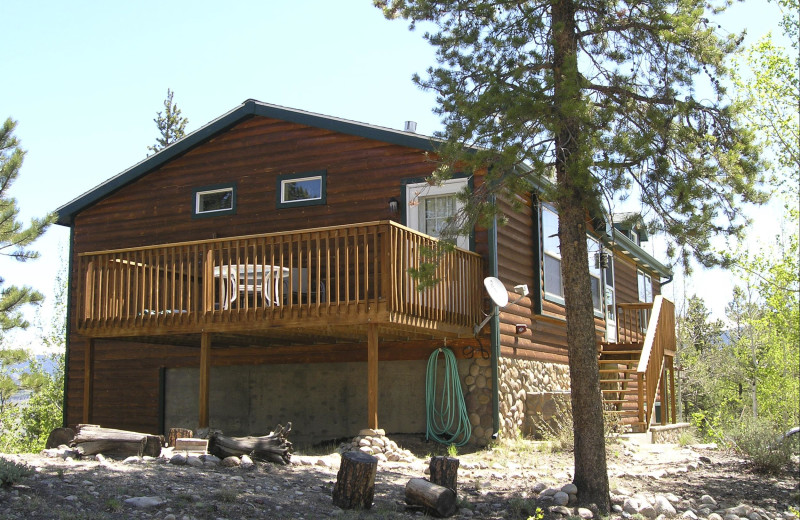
x=761 y=442
x=12 y=472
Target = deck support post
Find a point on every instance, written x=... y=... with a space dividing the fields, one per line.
x=372 y=376
x=88 y=381
x=205 y=372
x=673 y=416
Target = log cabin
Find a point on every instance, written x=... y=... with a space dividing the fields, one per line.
x=256 y=272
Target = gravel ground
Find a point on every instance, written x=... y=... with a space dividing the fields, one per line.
x=508 y=482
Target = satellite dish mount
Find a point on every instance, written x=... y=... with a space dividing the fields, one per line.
x=499 y=295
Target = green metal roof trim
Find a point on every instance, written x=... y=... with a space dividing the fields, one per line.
x=246 y=110
x=629 y=248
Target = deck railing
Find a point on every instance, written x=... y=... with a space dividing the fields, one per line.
x=632 y=321
x=359 y=269
x=659 y=339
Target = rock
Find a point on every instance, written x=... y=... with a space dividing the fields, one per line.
x=630 y=506
x=584 y=513
x=664 y=507
x=560 y=510
x=689 y=515
x=549 y=492
x=648 y=511
x=194 y=461
x=561 y=498
x=247 y=462
x=213 y=459
x=145 y=502
x=714 y=516
x=178 y=459
x=740 y=510
x=708 y=499
x=231 y=462
x=730 y=516
x=570 y=489
x=132 y=460
x=539 y=487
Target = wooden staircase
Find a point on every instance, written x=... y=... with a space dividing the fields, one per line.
x=637 y=371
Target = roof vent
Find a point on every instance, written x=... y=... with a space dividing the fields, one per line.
x=411 y=126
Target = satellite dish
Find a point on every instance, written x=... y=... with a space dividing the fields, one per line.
x=497 y=291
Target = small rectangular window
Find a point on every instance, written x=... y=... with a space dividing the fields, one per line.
x=553 y=284
x=303 y=189
x=215 y=200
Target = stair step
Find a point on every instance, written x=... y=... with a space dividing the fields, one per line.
x=629 y=381
x=626 y=391
x=619 y=361
x=618 y=370
x=617 y=401
x=620 y=352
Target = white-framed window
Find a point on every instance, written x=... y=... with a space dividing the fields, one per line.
x=645 y=286
x=301 y=189
x=214 y=200
x=593 y=246
x=431 y=207
x=551 y=254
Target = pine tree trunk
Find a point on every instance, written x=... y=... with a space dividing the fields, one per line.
x=573 y=197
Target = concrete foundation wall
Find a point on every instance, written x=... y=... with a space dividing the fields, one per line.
x=322 y=401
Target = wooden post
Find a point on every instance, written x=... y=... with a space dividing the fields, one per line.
x=444 y=472
x=88 y=380
x=372 y=377
x=205 y=371
x=674 y=415
x=178 y=433
x=355 y=482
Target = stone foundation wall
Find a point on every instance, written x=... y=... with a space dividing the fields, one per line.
x=530 y=391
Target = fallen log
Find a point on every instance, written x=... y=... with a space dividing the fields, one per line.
x=59 y=436
x=355 y=481
x=436 y=499
x=91 y=439
x=272 y=448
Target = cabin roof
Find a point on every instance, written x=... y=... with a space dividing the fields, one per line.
x=246 y=110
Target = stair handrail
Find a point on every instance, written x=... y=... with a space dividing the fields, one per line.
x=651 y=362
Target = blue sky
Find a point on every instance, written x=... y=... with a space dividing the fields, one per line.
x=85 y=79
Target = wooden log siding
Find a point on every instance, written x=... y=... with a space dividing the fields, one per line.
x=352 y=272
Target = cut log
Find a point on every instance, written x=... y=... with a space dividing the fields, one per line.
x=59 y=436
x=178 y=433
x=92 y=439
x=437 y=500
x=444 y=472
x=272 y=448
x=355 y=481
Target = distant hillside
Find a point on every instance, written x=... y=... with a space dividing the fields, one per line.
x=48 y=364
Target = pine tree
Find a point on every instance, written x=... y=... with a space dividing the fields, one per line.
x=14 y=236
x=601 y=97
x=170 y=123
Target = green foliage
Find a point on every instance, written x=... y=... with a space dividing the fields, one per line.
x=15 y=238
x=12 y=472
x=171 y=125
x=760 y=441
x=524 y=508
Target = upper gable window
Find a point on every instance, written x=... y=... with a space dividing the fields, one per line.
x=301 y=189
x=214 y=200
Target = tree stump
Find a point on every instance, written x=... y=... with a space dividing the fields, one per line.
x=178 y=433
x=355 y=482
x=444 y=472
x=438 y=500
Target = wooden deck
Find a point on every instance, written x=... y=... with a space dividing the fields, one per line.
x=325 y=282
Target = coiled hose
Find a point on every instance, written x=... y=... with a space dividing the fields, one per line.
x=448 y=421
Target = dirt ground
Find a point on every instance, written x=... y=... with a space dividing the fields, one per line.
x=495 y=483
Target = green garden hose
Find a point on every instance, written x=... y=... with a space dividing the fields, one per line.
x=448 y=421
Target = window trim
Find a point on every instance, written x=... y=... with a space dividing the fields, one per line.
x=217 y=188
x=320 y=201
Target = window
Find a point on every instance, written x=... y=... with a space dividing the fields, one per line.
x=431 y=207
x=214 y=200
x=551 y=254
x=593 y=246
x=645 y=287
x=301 y=189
